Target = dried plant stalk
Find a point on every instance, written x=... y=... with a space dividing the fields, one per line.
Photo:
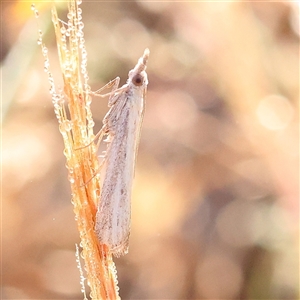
x=82 y=161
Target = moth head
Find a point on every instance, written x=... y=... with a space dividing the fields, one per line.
x=138 y=76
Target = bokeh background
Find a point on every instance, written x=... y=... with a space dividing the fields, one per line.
x=215 y=201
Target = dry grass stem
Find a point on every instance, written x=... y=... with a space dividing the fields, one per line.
x=82 y=161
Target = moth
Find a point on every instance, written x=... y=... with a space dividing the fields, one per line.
x=122 y=128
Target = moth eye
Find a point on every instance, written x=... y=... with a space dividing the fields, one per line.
x=137 y=80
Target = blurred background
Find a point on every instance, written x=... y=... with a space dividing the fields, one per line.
x=215 y=211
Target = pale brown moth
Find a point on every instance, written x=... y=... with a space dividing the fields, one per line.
x=122 y=128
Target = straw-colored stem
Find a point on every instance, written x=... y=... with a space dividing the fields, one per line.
x=82 y=161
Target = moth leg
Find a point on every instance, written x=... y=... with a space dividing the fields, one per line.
x=113 y=83
x=100 y=165
x=115 y=91
x=98 y=136
x=97 y=172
